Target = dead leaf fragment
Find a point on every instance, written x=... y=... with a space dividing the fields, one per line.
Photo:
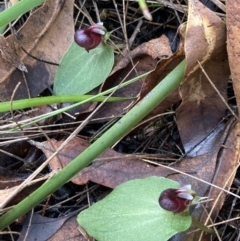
x=9 y=179
x=233 y=44
x=9 y=54
x=69 y=231
x=47 y=34
x=201 y=108
x=114 y=170
x=41 y=228
x=4 y=194
x=155 y=48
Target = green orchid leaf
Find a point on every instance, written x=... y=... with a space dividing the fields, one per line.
x=131 y=212
x=81 y=71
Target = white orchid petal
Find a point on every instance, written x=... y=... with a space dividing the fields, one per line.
x=185 y=195
x=98 y=31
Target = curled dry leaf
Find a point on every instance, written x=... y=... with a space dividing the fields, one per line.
x=201 y=108
x=158 y=48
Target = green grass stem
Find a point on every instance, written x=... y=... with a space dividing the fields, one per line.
x=33 y=102
x=17 y=10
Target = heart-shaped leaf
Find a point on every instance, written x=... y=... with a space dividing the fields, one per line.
x=81 y=71
x=132 y=212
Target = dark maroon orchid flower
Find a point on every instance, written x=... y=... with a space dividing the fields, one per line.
x=176 y=200
x=91 y=37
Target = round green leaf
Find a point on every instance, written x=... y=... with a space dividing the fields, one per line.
x=132 y=213
x=81 y=71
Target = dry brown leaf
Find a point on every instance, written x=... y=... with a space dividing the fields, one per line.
x=155 y=48
x=201 y=108
x=9 y=54
x=46 y=35
x=41 y=228
x=4 y=194
x=116 y=169
x=233 y=44
x=228 y=161
x=9 y=179
x=163 y=68
x=109 y=173
x=69 y=231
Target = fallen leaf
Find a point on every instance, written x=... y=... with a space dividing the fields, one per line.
x=69 y=231
x=158 y=48
x=46 y=35
x=4 y=194
x=116 y=168
x=201 y=108
x=163 y=68
x=41 y=228
x=108 y=173
x=9 y=178
x=226 y=169
x=9 y=54
x=233 y=44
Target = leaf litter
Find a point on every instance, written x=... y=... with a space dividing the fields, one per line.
x=211 y=144
x=38 y=38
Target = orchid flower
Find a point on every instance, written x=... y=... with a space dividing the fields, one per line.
x=90 y=37
x=176 y=200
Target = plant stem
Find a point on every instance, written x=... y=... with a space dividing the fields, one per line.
x=33 y=102
x=202 y=227
x=122 y=127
